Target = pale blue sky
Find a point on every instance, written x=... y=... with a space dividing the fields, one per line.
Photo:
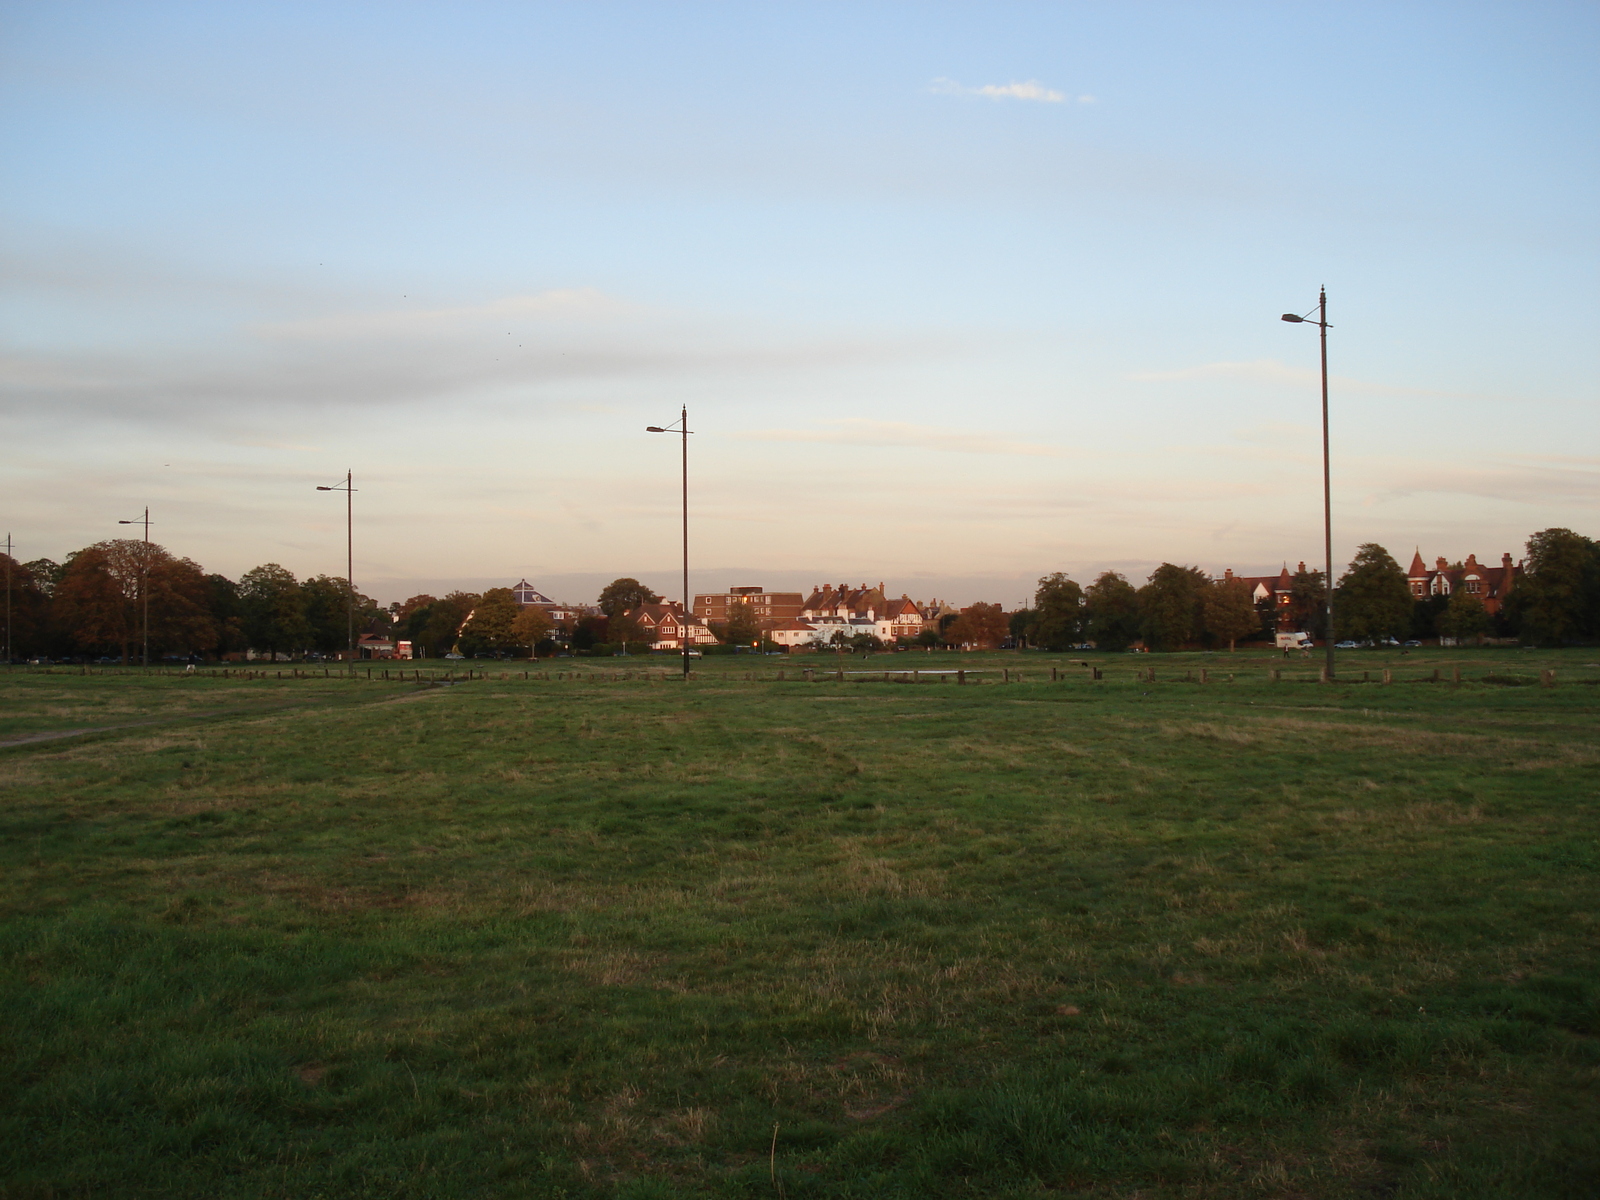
x=957 y=294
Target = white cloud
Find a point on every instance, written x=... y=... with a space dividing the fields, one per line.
x=862 y=431
x=1030 y=89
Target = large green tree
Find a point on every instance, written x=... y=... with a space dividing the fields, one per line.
x=492 y=626
x=1111 y=612
x=272 y=608
x=743 y=627
x=1230 y=612
x=621 y=595
x=1558 y=597
x=1171 y=606
x=1058 y=605
x=1373 y=600
x=1464 y=616
x=432 y=625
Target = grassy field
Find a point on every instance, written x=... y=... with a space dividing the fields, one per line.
x=610 y=934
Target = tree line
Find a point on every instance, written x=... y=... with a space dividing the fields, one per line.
x=1556 y=600
x=94 y=602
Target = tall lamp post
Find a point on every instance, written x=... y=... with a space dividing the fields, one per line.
x=1322 y=325
x=349 y=555
x=8 y=599
x=144 y=579
x=682 y=428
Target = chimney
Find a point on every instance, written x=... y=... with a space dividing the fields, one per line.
x=1301 y=569
x=1505 y=561
x=1441 y=563
x=1228 y=574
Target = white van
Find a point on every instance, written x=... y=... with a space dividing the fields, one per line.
x=1294 y=641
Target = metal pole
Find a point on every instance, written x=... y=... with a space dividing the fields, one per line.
x=1327 y=487
x=146 y=588
x=8 y=599
x=350 y=557
x=684 y=421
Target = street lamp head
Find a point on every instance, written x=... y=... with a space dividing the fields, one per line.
x=1292 y=317
x=320 y=488
x=127 y=522
x=654 y=429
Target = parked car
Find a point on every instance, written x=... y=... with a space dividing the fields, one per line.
x=456 y=656
x=1412 y=642
x=1347 y=645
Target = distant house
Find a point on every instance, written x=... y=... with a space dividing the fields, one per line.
x=562 y=616
x=665 y=627
x=1492 y=585
x=372 y=645
x=770 y=608
x=905 y=618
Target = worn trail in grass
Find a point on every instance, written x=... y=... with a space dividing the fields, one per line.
x=599 y=938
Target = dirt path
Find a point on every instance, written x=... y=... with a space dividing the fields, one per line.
x=56 y=735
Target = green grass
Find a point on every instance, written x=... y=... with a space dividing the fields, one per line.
x=607 y=936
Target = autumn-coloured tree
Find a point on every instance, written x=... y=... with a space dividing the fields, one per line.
x=181 y=618
x=980 y=624
x=1230 y=611
x=89 y=607
x=29 y=607
x=532 y=626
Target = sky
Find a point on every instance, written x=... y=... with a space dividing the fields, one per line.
x=956 y=295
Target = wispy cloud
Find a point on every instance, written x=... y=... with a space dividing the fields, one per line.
x=1028 y=89
x=1272 y=371
x=559 y=304
x=862 y=431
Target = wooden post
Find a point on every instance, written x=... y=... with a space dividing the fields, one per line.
x=1388 y=676
x=1455 y=674
x=810 y=675
x=1205 y=675
x=1323 y=674
x=1007 y=674
x=1547 y=678
x=961 y=676
x=1436 y=674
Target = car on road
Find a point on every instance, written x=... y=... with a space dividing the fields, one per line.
x=1347 y=645
x=1413 y=642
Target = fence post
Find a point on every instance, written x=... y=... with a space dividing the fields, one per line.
x=961 y=676
x=1205 y=676
x=1455 y=674
x=1547 y=678
x=809 y=675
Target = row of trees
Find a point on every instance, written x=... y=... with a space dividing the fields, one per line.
x=95 y=603
x=1557 y=599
